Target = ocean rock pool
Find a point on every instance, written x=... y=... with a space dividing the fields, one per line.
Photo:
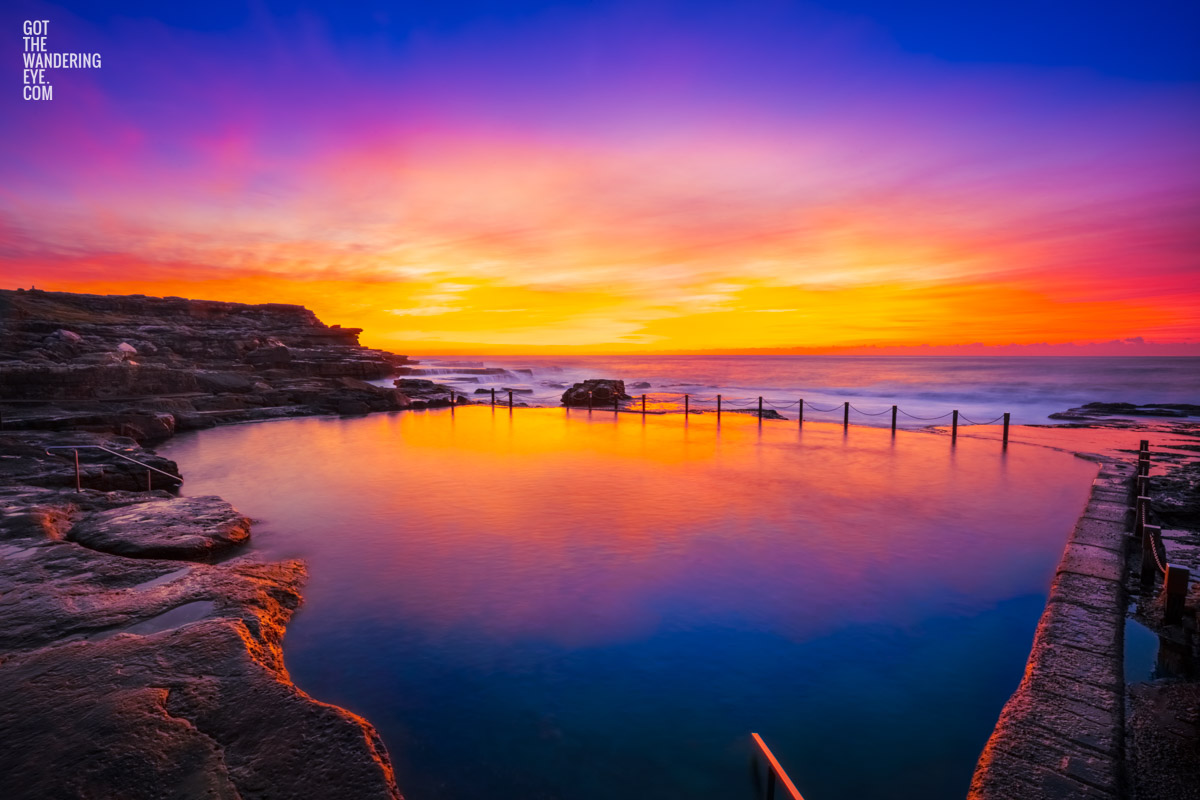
x=557 y=604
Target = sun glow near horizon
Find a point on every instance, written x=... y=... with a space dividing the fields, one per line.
x=585 y=181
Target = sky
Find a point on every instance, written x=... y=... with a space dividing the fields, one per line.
x=626 y=176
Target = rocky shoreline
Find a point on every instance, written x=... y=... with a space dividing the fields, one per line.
x=149 y=367
x=134 y=663
x=140 y=655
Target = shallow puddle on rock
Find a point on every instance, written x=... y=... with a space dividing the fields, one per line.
x=1141 y=652
x=168 y=620
x=162 y=579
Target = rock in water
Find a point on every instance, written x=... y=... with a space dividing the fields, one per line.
x=603 y=392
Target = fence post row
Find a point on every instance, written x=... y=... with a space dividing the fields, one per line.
x=1175 y=577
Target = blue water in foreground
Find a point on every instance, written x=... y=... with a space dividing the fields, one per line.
x=1030 y=388
x=557 y=604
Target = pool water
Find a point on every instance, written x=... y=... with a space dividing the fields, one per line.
x=555 y=604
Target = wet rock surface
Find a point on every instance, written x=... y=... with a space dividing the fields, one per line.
x=1100 y=411
x=147 y=367
x=154 y=677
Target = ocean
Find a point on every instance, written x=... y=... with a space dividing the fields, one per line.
x=980 y=388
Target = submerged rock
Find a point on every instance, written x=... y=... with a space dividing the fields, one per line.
x=602 y=391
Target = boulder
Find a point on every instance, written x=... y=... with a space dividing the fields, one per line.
x=181 y=528
x=603 y=392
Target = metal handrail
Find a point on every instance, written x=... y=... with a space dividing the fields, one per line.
x=78 y=447
x=774 y=768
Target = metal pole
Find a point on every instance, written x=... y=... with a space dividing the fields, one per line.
x=687 y=409
x=846 y=416
x=1006 y=416
x=643 y=405
x=800 y=410
x=510 y=399
x=493 y=397
x=893 y=420
x=718 y=408
x=954 y=427
x=77 y=486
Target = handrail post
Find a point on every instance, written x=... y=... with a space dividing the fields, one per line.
x=78 y=488
x=1175 y=585
x=954 y=427
x=1006 y=416
x=893 y=420
x=846 y=416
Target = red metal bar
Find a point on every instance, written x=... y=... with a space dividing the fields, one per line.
x=774 y=766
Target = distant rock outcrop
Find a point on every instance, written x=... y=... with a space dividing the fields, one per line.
x=600 y=390
x=147 y=367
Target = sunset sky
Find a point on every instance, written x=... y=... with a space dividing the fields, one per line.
x=631 y=176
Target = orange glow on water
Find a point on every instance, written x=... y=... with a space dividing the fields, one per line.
x=596 y=515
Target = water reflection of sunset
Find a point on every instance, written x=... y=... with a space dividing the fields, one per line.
x=582 y=528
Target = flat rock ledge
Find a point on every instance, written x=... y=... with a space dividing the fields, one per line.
x=1061 y=735
x=153 y=677
x=182 y=527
